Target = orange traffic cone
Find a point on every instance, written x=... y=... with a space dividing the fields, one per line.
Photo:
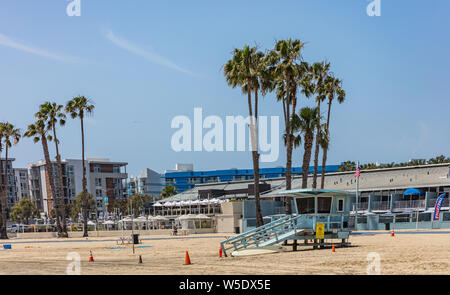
x=220 y=252
x=91 y=258
x=392 y=233
x=333 y=249
x=187 y=260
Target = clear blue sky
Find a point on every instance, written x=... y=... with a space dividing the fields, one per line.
x=143 y=62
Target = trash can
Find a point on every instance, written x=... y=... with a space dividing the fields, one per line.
x=236 y=230
x=135 y=238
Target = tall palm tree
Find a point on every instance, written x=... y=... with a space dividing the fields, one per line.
x=284 y=64
x=332 y=89
x=53 y=114
x=305 y=123
x=319 y=72
x=10 y=136
x=39 y=132
x=79 y=107
x=3 y=233
x=245 y=69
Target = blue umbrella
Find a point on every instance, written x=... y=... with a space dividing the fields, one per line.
x=412 y=191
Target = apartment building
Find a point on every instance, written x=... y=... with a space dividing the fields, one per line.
x=22 y=183
x=104 y=179
x=148 y=182
x=11 y=196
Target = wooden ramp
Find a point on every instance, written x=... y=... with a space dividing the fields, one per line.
x=272 y=233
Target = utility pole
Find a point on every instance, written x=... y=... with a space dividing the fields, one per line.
x=357 y=195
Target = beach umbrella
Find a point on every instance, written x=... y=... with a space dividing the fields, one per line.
x=195 y=202
x=412 y=191
x=204 y=202
x=202 y=216
x=157 y=204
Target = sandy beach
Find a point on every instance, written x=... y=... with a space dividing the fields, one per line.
x=402 y=254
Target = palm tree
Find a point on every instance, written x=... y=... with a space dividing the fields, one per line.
x=305 y=123
x=79 y=107
x=246 y=69
x=284 y=63
x=39 y=132
x=52 y=114
x=10 y=136
x=332 y=89
x=319 y=72
x=169 y=191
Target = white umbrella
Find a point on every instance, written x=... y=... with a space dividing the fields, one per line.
x=158 y=204
x=214 y=201
x=186 y=217
x=204 y=202
x=201 y=216
x=108 y=222
x=177 y=204
x=159 y=218
x=195 y=202
x=91 y=223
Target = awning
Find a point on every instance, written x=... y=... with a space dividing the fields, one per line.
x=308 y=192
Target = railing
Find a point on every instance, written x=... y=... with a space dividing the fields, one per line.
x=380 y=205
x=410 y=204
x=281 y=229
x=261 y=234
x=363 y=206
x=445 y=203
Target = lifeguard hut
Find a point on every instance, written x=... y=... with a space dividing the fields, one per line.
x=319 y=217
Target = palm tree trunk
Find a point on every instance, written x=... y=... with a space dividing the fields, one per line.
x=85 y=197
x=255 y=156
x=324 y=159
x=49 y=171
x=316 y=150
x=289 y=146
x=307 y=157
x=62 y=201
x=3 y=233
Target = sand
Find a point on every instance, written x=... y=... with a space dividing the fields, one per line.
x=402 y=254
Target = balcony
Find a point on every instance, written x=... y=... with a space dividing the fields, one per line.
x=380 y=205
x=409 y=205
x=445 y=203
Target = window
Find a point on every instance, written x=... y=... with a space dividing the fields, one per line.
x=305 y=205
x=116 y=169
x=340 y=205
x=98 y=193
x=98 y=182
x=324 y=205
x=97 y=169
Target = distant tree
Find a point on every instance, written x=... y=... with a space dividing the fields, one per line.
x=10 y=135
x=169 y=191
x=439 y=160
x=77 y=204
x=136 y=202
x=23 y=210
x=347 y=166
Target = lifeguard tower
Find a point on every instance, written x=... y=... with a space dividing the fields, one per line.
x=319 y=217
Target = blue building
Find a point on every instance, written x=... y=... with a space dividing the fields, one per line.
x=184 y=179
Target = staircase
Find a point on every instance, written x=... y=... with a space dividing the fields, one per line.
x=269 y=234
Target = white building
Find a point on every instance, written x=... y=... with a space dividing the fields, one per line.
x=104 y=179
x=148 y=182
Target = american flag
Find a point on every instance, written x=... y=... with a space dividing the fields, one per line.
x=357 y=173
